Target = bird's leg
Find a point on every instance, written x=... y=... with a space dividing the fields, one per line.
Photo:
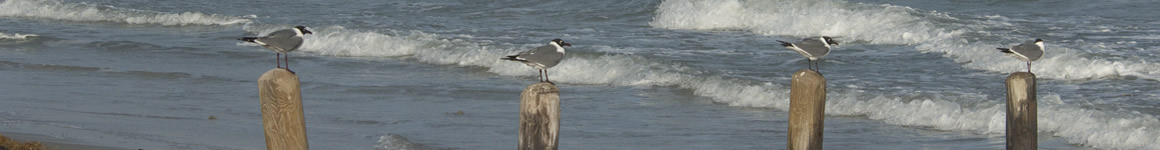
x=539 y=75
x=288 y=63
x=278 y=59
x=818 y=66
x=810 y=64
x=546 y=76
x=1028 y=66
x=812 y=67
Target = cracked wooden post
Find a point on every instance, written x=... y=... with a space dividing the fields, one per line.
x=281 y=100
x=540 y=117
x=1021 y=112
x=807 y=107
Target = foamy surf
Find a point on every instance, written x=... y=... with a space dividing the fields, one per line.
x=57 y=10
x=392 y=141
x=1096 y=128
x=960 y=112
x=888 y=24
x=15 y=36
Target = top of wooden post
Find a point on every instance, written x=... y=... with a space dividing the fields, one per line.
x=278 y=73
x=542 y=87
x=808 y=76
x=1021 y=75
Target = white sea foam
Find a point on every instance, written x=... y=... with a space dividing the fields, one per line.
x=962 y=111
x=1102 y=129
x=57 y=10
x=396 y=142
x=15 y=36
x=885 y=24
x=888 y=24
x=1096 y=128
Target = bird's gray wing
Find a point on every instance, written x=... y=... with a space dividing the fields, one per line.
x=545 y=55
x=282 y=40
x=1029 y=50
x=533 y=51
x=284 y=33
x=815 y=47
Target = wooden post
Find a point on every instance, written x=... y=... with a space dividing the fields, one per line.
x=281 y=98
x=807 y=107
x=540 y=117
x=1021 y=113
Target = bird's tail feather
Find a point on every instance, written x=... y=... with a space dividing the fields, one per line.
x=1004 y=50
x=786 y=44
x=248 y=39
x=513 y=58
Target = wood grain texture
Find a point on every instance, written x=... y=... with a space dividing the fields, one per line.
x=807 y=109
x=539 y=117
x=1021 y=113
x=282 y=118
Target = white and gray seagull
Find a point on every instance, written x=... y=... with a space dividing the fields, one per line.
x=1028 y=52
x=282 y=42
x=813 y=48
x=542 y=57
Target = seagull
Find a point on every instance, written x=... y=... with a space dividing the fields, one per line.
x=281 y=41
x=542 y=57
x=813 y=48
x=1027 y=51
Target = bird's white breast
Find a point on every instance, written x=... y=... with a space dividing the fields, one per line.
x=558 y=47
x=824 y=43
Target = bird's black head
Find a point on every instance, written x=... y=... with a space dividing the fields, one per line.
x=561 y=42
x=830 y=40
x=1038 y=40
x=303 y=30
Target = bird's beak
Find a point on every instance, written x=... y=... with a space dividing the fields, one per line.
x=304 y=31
x=566 y=44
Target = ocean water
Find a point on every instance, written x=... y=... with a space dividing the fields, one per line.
x=656 y=74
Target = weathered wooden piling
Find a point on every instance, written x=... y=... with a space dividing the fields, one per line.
x=1021 y=113
x=807 y=107
x=540 y=117
x=281 y=98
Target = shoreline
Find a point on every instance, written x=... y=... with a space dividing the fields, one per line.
x=53 y=143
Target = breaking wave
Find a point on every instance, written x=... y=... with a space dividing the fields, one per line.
x=57 y=10
x=966 y=42
x=15 y=36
